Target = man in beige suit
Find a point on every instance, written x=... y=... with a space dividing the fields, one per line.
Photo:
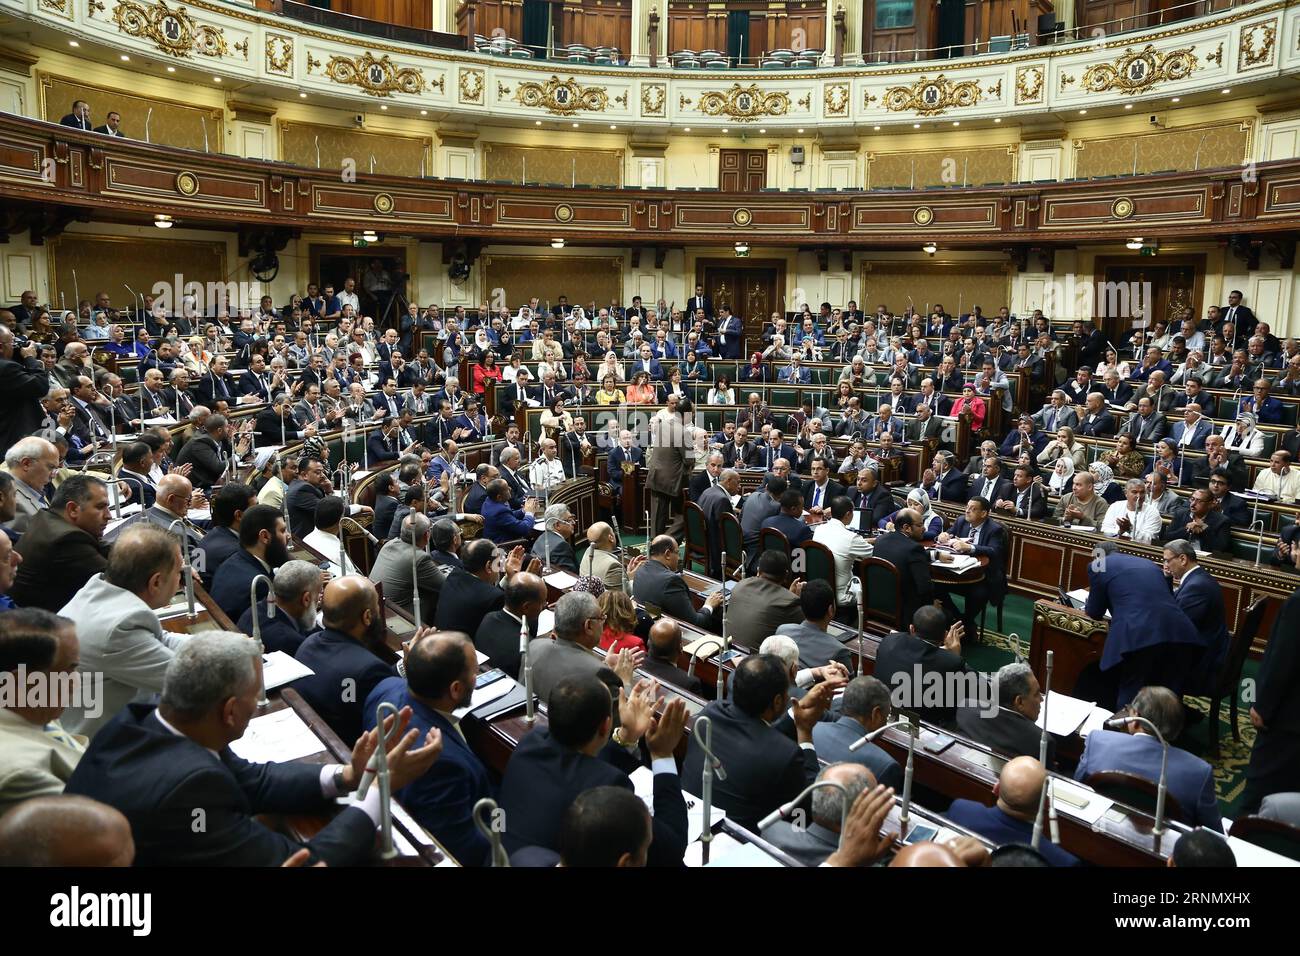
x=667 y=468
x=600 y=561
x=36 y=754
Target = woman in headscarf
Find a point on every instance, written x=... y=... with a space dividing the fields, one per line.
x=1104 y=483
x=977 y=406
x=918 y=501
x=1062 y=480
x=1064 y=446
x=757 y=371
x=1241 y=436
x=1167 y=461
x=612 y=366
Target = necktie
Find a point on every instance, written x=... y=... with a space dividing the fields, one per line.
x=988 y=489
x=817 y=497
x=224 y=392
x=1020 y=504
x=54 y=730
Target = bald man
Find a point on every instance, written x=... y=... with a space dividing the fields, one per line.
x=926 y=855
x=65 y=831
x=663 y=649
x=811 y=841
x=1011 y=819
x=600 y=561
x=176 y=497
x=344 y=655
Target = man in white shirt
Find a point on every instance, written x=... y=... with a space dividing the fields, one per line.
x=847 y=546
x=547 y=471
x=1136 y=517
x=324 y=538
x=1280 y=479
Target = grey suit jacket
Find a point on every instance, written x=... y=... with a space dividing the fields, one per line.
x=554 y=660
x=758 y=608
x=832 y=740
x=28 y=506
x=810 y=845
x=816 y=647
x=392 y=569
x=121 y=637
x=1066 y=417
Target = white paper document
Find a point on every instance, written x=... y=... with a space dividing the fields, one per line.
x=277 y=738
x=545 y=622
x=960 y=563
x=1065 y=714
x=484 y=695
x=1095 y=720
x=1079 y=802
x=560 y=580
x=279 y=668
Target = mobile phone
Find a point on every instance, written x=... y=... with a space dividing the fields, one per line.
x=921 y=833
x=487 y=677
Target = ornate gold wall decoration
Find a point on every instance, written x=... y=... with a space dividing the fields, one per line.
x=564 y=213
x=242 y=47
x=932 y=97
x=995 y=90
x=923 y=215
x=1257 y=45
x=562 y=97
x=384 y=203
x=806 y=102
x=173 y=31
x=279 y=54
x=654 y=97
x=742 y=217
x=93 y=7
x=748 y=103
x=1216 y=57
x=502 y=90
x=62 y=7
x=1029 y=85
x=312 y=62
x=187 y=184
x=835 y=99
x=471 y=86
x=1066 y=80
x=621 y=99
x=1140 y=70
x=377 y=77
x=1122 y=208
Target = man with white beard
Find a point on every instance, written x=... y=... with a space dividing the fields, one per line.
x=285 y=622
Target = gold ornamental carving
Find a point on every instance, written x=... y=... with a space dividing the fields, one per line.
x=564 y=213
x=1122 y=208
x=835 y=99
x=471 y=86
x=742 y=217
x=1139 y=70
x=932 y=97
x=172 y=30
x=1070 y=623
x=923 y=215
x=279 y=54
x=1216 y=57
x=375 y=76
x=383 y=203
x=654 y=97
x=744 y=103
x=63 y=7
x=1029 y=85
x=562 y=97
x=187 y=184
x=1256 y=47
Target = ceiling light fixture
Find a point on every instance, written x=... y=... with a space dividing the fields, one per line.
x=557 y=243
x=929 y=248
x=162 y=221
x=171 y=69
x=1135 y=244
x=73 y=43
x=125 y=58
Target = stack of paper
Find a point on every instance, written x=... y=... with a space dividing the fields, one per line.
x=485 y=695
x=560 y=580
x=1064 y=714
x=960 y=563
x=279 y=668
x=277 y=738
x=1079 y=802
x=545 y=622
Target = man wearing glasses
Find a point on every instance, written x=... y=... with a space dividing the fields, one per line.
x=578 y=626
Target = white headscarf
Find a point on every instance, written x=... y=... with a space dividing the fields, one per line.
x=1062 y=474
x=918 y=500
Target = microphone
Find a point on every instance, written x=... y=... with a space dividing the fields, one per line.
x=499 y=858
x=1042 y=758
x=189 y=568
x=785 y=809
x=257 y=625
x=377 y=767
x=117 y=501
x=1120 y=723
x=914 y=731
x=703 y=734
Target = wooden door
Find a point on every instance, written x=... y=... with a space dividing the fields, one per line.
x=1173 y=285
x=890 y=27
x=742 y=170
x=752 y=290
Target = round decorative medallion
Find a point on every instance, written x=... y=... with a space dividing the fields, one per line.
x=187 y=184
x=923 y=215
x=742 y=217
x=564 y=213
x=383 y=203
x=1122 y=208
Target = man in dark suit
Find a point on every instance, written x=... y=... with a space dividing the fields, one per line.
x=1028 y=497
x=23 y=383
x=1011 y=819
x=572 y=754
x=302 y=496
x=1275 y=760
x=157 y=773
x=702 y=481
x=137 y=459
x=903 y=661
x=1151 y=641
x=924 y=426
x=762 y=602
x=288 y=619
x=658 y=582
x=1010 y=728
x=515 y=477
x=1201 y=598
x=440 y=672
x=716 y=502
x=79 y=118
x=1146 y=425
x=699 y=301
x=822 y=489
x=978 y=535
x=218 y=384
x=863 y=708
x=470 y=593
x=943 y=480
x=222 y=539
x=63 y=546
x=625 y=452
x=989 y=484
x=1201 y=525
x=501 y=522
x=902 y=548
x=789 y=521
x=499 y=633
x=1024 y=435
x=208 y=455
x=871 y=500
x=343 y=655
x=663 y=647
x=816 y=647
x=1096 y=422
x=1135 y=750
x=665 y=474
x=553 y=546
x=1242 y=318
x=764 y=768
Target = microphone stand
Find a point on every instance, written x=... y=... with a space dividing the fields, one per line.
x=415 y=580
x=1116 y=723
x=862 y=599
x=257 y=626
x=1042 y=758
x=526 y=665
x=378 y=767
x=117 y=499
x=785 y=809
x=112 y=416
x=343 y=564
x=189 y=568
x=720 y=690
x=498 y=857
x=703 y=733
x=912 y=733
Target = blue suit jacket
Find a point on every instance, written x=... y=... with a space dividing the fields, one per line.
x=230 y=585
x=832 y=742
x=278 y=632
x=795 y=530
x=442 y=800
x=996 y=825
x=1037 y=441
x=503 y=523
x=1191 y=779
x=345 y=674
x=767 y=455
x=1201 y=599
x=992 y=545
x=1143 y=611
x=615 y=463
x=217 y=545
x=1202 y=430
x=787 y=374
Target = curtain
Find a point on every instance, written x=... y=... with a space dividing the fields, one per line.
x=738 y=34
x=537 y=15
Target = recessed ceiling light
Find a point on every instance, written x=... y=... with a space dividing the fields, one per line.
x=171 y=69
x=424 y=112
x=216 y=79
x=997 y=119
x=1226 y=90
x=688 y=129
x=916 y=126
x=725 y=130
x=1176 y=99
x=73 y=43
x=557 y=243
x=762 y=131
x=877 y=128
x=1082 y=112
x=801 y=131
x=125 y=58
x=162 y=221
x=382 y=106
x=956 y=122
x=575 y=125
x=1128 y=106
x=613 y=126
x=302 y=96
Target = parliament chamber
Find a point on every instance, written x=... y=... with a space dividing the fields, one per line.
x=466 y=406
